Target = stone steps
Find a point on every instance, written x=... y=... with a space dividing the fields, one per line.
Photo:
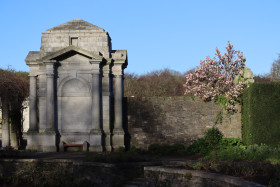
x=138 y=182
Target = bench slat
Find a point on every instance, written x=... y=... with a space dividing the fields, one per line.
x=73 y=145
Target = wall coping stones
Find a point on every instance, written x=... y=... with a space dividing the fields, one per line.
x=201 y=174
x=80 y=162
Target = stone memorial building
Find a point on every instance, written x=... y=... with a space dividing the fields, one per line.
x=76 y=90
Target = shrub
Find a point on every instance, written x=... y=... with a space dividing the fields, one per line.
x=213 y=136
x=202 y=146
x=135 y=149
x=121 y=149
x=175 y=149
x=262 y=173
x=155 y=149
x=251 y=153
x=199 y=146
x=9 y=152
x=227 y=143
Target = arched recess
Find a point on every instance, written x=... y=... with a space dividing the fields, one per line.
x=65 y=81
x=74 y=105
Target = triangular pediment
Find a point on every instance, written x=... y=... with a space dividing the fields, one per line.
x=69 y=51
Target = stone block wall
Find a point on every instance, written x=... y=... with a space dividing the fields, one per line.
x=53 y=41
x=60 y=172
x=168 y=120
x=162 y=176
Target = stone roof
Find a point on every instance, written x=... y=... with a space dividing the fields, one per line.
x=33 y=56
x=76 y=24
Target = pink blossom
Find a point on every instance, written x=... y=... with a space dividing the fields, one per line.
x=215 y=77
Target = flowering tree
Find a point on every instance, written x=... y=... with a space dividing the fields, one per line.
x=215 y=79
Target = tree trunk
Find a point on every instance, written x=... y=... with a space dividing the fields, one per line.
x=5 y=123
x=13 y=137
x=15 y=127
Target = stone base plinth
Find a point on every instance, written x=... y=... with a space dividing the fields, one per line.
x=107 y=138
x=96 y=148
x=45 y=142
x=95 y=142
x=118 y=139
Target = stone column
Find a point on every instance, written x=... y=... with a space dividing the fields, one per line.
x=33 y=140
x=33 y=104
x=50 y=95
x=118 y=103
x=95 y=134
x=33 y=127
x=106 y=104
x=118 y=132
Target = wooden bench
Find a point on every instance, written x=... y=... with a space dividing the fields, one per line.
x=63 y=146
x=72 y=145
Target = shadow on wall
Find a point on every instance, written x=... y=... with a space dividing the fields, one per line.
x=169 y=120
x=141 y=122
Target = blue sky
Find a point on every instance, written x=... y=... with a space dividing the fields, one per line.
x=157 y=34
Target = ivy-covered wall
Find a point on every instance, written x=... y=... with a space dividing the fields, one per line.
x=168 y=120
x=261 y=114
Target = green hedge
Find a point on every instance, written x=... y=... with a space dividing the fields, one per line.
x=261 y=114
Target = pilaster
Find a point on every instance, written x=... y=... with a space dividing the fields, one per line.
x=96 y=133
x=33 y=127
x=50 y=95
